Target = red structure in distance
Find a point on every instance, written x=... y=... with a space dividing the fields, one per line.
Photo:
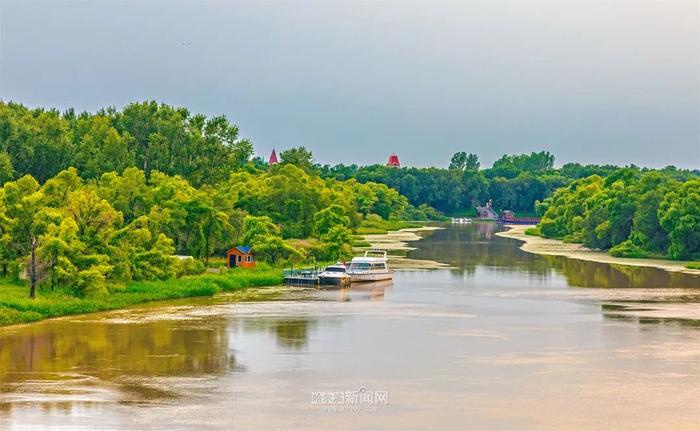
x=393 y=160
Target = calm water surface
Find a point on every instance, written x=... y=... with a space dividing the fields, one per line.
x=506 y=340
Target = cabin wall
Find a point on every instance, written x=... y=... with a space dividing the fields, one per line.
x=234 y=260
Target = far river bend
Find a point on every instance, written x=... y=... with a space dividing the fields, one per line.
x=506 y=340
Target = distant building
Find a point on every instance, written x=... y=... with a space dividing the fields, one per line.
x=394 y=161
x=487 y=212
x=273 y=158
x=241 y=255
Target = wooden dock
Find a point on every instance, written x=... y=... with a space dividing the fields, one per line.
x=301 y=276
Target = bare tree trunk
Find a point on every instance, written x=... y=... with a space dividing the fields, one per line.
x=32 y=269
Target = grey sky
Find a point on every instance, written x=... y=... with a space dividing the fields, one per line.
x=601 y=82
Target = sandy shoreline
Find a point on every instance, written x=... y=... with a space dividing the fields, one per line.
x=539 y=245
x=399 y=241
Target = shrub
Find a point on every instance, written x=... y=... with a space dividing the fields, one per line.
x=188 y=266
x=628 y=249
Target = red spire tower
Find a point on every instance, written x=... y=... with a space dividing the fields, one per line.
x=273 y=158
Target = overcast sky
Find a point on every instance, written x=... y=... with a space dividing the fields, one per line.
x=595 y=82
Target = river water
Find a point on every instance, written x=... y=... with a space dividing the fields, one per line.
x=504 y=340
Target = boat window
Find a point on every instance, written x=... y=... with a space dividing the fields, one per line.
x=335 y=269
x=359 y=265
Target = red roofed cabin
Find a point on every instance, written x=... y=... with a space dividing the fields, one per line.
x=273 y=158
x=394 y=161
x=241 y=255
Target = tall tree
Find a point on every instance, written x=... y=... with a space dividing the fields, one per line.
x=472 y=162
x=458 y=161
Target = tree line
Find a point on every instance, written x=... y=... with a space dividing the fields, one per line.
x=151 y=136
x=631 y=212
x=514 y=182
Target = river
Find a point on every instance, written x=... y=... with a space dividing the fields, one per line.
x=503 y=340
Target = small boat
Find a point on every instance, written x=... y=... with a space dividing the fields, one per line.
x=334 y=275
x=461 y=220
x=370 y=267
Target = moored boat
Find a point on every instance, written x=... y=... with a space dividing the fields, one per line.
x=334 y=275
x=370 y=267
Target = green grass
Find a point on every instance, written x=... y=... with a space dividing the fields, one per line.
x=378 y=226
x=693 y=265
x=216 y=262
x=16 y=307
x=359 y=241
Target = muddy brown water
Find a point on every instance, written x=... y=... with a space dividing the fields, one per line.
x=506 y=340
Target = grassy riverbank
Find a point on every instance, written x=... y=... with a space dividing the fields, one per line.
x=16 y=307
x=536 y=244
x=374 y=225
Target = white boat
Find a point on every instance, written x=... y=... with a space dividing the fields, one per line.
x=370 y=267
x=334 y=275
x=461 y=220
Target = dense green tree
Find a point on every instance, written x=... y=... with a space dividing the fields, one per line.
x=7 y=171
x=472 y=162
x=147 y=135
x=255 y=227
x=337 y=242
x=273 y=248
x=328 y=218
x=99 y=147
x=510 y=166
x=458 y=161
x=679 y=215
x=299 y=157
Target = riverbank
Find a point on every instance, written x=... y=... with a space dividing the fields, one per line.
x=17 y=308
x=398 y=241
x=539 y=245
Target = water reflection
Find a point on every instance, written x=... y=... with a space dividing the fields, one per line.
x=471 y=246
x=581 y=273
x=467 y=247
x=70 y=358
x=291 y=333
x=367 y=291
x=451 y=346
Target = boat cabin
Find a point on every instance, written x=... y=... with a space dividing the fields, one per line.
x=370 y=267
x=507 y=215
x=241 y=255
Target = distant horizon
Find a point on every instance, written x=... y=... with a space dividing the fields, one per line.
x=593 y=82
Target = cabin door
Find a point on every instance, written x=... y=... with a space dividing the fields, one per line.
x=232 y=260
